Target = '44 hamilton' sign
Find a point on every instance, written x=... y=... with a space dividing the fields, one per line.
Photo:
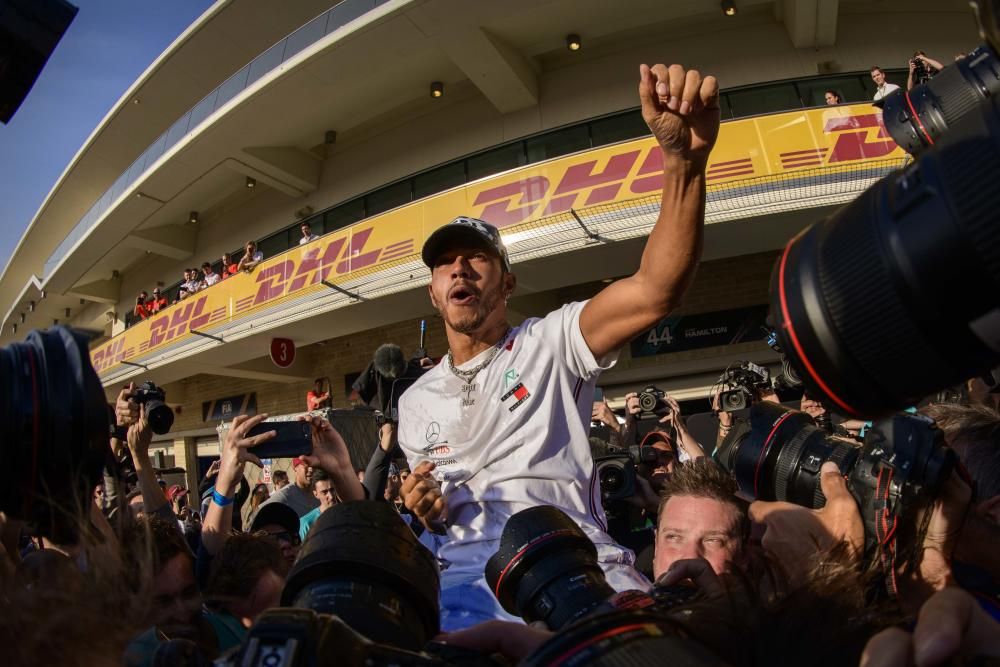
x=690 y=332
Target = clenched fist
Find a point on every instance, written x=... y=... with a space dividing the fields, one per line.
x=681 y=108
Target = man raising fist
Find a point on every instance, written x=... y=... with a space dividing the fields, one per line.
x=501 y=423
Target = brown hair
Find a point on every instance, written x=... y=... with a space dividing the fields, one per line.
x=244 y=559
x=704 y=478
x=973 y=431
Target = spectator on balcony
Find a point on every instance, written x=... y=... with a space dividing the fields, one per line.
x=182 y=294
x=882 y=87
x=922 y=69
x=229 y=267
x=194 y=284
x=307 y=234
x=251 y=257
x=141 y=310
x=157 y=303
x=832 y=97
x=318 y=397
x=210 y=277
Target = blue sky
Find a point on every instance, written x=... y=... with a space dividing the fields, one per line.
x=108 y=45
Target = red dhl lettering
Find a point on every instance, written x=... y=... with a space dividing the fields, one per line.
x=582 y=184
x=190 y=316
x=283 y=278
x=110 y=354
x=853 y=134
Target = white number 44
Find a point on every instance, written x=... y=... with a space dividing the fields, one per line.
x=657 y=339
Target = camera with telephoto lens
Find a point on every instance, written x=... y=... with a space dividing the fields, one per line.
x=56 y=426
x=616 y=471
x=916 y=118
x=363 y=591
x=158 y=413
x=546 y=570
x=742 y=385
x=652 y=404
x=899 y=467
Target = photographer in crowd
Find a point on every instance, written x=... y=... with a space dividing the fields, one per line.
x=501 y=424
x=922 y=69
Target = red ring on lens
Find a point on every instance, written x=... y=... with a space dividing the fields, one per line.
x=786 y=324
x=517 y=557
x=920 y=124
x=763 y=449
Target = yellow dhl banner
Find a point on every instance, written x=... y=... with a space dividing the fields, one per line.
x=772 y=147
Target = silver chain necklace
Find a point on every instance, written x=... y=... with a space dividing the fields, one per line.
x=469 y=376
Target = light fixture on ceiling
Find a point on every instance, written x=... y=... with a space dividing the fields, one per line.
x=22 y=318
x=136 y=100
x=67 y=313
x=729 y=7
x=251 y=182
x=330 y=137
x=573 y=42
x=193 y=217
x=31 y=306
x=437 y=89
x=42 y=295
x=55 y=323
x=14 y=325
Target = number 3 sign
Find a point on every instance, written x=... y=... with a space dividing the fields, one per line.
x=282 y=352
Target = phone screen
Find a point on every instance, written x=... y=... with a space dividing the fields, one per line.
x=293 y=439
x=598 y=395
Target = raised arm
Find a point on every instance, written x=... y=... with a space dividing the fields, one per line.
x=682 y=110
x=140 y=435
x=218 y=519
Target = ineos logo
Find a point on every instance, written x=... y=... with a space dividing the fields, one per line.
x=433 y=432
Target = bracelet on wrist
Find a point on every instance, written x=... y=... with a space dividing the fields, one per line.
x=220 y=499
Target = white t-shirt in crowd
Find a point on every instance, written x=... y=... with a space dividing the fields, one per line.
x=885 y=90
x=522 y=442
x=211 y=279
x=306 y=239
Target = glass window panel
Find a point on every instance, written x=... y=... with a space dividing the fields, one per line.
x=177 y=131
x=203 y=110
x=274 y=244
x=315 y=223
x=618 y=128
x=849 y=88
x=725 y=107
x=346 y=12
x=232 y=86
x=496 y=160
x=765 y=99
x=304 y=36
x=388 y=197
x=559 y=142
x=346 y=214
x=265 y=62
x=438 y=180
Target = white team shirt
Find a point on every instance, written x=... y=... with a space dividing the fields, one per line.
x=522 y=443
x=885 y=90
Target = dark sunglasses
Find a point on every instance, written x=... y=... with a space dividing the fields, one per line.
x=289 y=538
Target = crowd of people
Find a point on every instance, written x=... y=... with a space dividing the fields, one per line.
x=196 y=279
x=505 y=423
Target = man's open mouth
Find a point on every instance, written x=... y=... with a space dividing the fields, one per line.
x=462 y=295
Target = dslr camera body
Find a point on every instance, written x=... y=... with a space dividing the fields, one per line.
x=159 y=415
x=652 y=404
x=899 y=467
x=741 y=385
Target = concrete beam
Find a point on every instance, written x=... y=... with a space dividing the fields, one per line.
x=100 y=291
x=274 y=375
x=173 y=241
x=288 y=169
x=810 y=23
x=507 y=79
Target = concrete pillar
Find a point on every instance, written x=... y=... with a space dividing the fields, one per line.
x=186 y=456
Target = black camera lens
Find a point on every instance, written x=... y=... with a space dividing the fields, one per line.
x=917 y=118
x=898 y=293
x=648 y=401
x=778 y=455
x=612 y=479
x=546 y=569
x=364 y=564
x=55 y=430
x=159 y=415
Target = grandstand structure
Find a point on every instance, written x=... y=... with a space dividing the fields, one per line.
x=377 y=121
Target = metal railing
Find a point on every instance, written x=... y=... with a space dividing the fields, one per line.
x=310 y=33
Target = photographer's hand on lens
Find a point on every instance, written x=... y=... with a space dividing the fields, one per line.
x=421 y=494
x=632 y=406
x=330 y=454
x=950 y=625
x=696 y=570
x=795 y=536
x=511 y=640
